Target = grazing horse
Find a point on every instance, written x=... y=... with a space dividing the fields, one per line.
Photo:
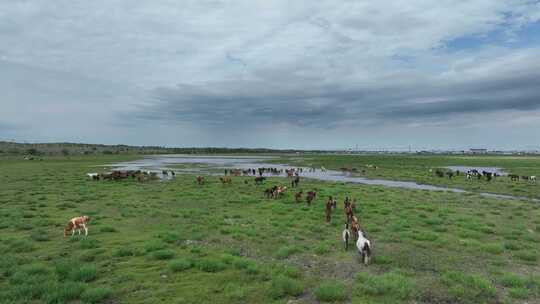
x=77 y=223
x=328 y=209
x=225 y=180
x=513 y=177
x=295 y=181
x=200 y=180
x=364 y=247
x=346 y=235
x=298 y=196
x=259 y=180
x=311 y=195
x=94 y=176
x=279 y=191
x=270 y=192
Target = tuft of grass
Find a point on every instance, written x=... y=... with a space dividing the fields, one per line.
x=469 y=288
x=425 y=236
x=393 y=285
x=513 y=280
x=154 y=246
x=85 y=273
x=382 y=260
x=282 y=286
x=87 y=243
x=164 y=254
x=211 y=265
x=331 y=291
x=527 y=255
x=178 y=265
x=106 y=229
x=22 y=245
x=96 y=295
x=322 y=249
x=40 y=236
x=493 y=248
x=125 y=251
x=286 y=251
x=519 y=293
x=66 y=292
x=64 y=267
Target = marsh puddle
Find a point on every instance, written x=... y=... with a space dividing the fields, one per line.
x=216 y=165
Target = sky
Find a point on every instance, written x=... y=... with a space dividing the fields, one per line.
x=445 y=74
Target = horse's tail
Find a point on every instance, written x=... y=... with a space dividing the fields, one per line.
x=68 y=228
x=367 y=248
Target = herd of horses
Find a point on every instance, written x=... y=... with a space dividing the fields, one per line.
x=475 y=174
x=139 y=175
x=352 y=232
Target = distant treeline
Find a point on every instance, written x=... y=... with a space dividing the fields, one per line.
x=41 y=149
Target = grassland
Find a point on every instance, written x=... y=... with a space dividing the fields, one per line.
x=416 y=168
x=176 y=242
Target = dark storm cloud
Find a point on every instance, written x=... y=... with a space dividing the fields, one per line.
x=301 y=102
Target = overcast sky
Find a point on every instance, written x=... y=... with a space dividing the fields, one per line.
x=278 y=74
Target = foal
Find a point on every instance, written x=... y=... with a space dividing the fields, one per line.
x=77 y=223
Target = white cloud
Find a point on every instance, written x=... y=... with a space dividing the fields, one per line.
x=300 y=62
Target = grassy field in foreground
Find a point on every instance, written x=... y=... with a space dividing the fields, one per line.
x=176 y=242
x=416 y=168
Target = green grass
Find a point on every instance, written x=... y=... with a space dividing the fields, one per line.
x=331 y=291
x=389 y=285
x=180 y=265
x=282 y=286
x=85 y=273
x=176 y=242
x=469 y=288
x=96 y=295
x=164 y=254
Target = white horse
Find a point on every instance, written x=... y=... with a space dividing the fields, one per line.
x=364 y=247
x=532 y=178
x=346 y=235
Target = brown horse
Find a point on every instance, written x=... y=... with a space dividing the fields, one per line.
x=200 y=180
x=280 y=190
x=311 y=195
x=225 y=180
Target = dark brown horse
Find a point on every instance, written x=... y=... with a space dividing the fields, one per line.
x=311 y=195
